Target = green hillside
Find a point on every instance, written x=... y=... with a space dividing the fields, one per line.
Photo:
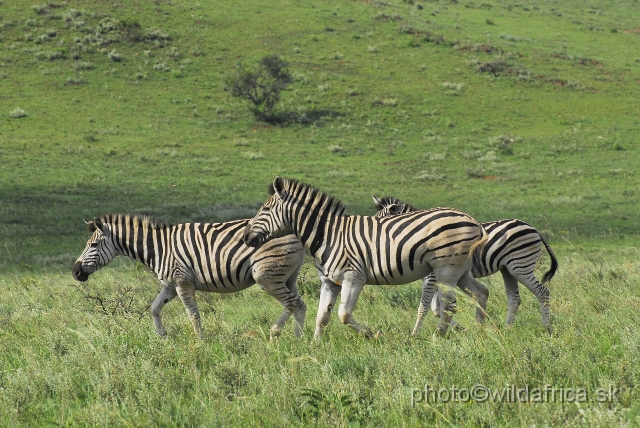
x=126 y=110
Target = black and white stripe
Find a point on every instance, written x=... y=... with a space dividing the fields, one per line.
x=513 y=248
x=351 y=251
x=197 y=256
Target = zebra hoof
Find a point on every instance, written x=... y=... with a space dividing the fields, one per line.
x=457 y=327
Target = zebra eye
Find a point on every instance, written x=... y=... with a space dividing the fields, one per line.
x=93 y=245
x=265 y=209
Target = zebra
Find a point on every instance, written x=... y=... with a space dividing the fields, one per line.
x=198 y=256
x=513 y=248
x=351 y=251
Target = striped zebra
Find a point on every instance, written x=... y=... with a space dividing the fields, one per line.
x=513 y=248
x=198 y=256
x=351 y=251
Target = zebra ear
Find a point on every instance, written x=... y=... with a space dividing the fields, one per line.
x=277 y=187
x=90 y=225
x=94 y=224
x=378 y=202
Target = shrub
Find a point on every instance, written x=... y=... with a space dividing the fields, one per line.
x=114 y=56
x=493 y=67
x=130 y=29
x=84 y=65
x=18 y=113
x=253 y=155
x=261 y=85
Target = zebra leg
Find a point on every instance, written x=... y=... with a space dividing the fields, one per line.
x=429 y=288
x=469 y=284
x=447 y=308
x=187 y=293
x=435 y=304
x=328 y=294
x=350 y=294
x=290 y=302
x=540 y=291
x=513 y=295
x=300 y=312
x=165 y=295
x=435 y=308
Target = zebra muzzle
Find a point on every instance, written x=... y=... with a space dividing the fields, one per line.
x=78 y=273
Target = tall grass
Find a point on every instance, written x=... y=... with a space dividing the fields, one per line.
x=64 y=361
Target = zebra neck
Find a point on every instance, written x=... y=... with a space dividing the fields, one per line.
x=319 y=234
x=136 y=238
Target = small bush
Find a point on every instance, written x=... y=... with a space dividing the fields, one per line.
x=493 y=67
x=131 y=29
x=406 y=29
x=41 y=9
x=504 y=143
x=114 y=56
x=475 y=173
x=261 y=84
x=18 y=113
x=512 y=38
x=452 y=87
x=84 y=65
x=253 y=155
x=429 y=175
x=160 y=66
x=156 y=34
x=76 y=80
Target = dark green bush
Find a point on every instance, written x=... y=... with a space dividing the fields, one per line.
x=261 y=84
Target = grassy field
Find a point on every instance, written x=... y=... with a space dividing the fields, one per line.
x=499 y=108
x=66 y=362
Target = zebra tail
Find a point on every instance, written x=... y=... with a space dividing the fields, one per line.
x=554 y=262
x=478 y=246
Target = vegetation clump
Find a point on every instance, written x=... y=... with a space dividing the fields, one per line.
x=262 y=85
x=17 y=113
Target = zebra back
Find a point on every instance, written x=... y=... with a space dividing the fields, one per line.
x=509 y=241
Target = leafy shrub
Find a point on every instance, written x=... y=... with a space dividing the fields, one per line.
x=84 y=65
x=17 y=113
x=261 y=84
x=493 y=67
x=253 y=155
x=131 y=29
x=114 y=56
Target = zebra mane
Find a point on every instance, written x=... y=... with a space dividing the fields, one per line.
x=390 y=200
x=294 y=187
x=144 y=219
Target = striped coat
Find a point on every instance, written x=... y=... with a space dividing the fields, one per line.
x=513 y=248
x=197 y=256
x=352 y=251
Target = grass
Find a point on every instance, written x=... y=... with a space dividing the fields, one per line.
x=69 y=361
x=122 y=108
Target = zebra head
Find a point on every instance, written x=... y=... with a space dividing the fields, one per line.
x=271 y=220
x=390 y=206
x=99 y=251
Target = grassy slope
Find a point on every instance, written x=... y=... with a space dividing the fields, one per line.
x=173 y=143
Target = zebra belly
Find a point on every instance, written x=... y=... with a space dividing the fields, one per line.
x=213 y=288
x=395 y=278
